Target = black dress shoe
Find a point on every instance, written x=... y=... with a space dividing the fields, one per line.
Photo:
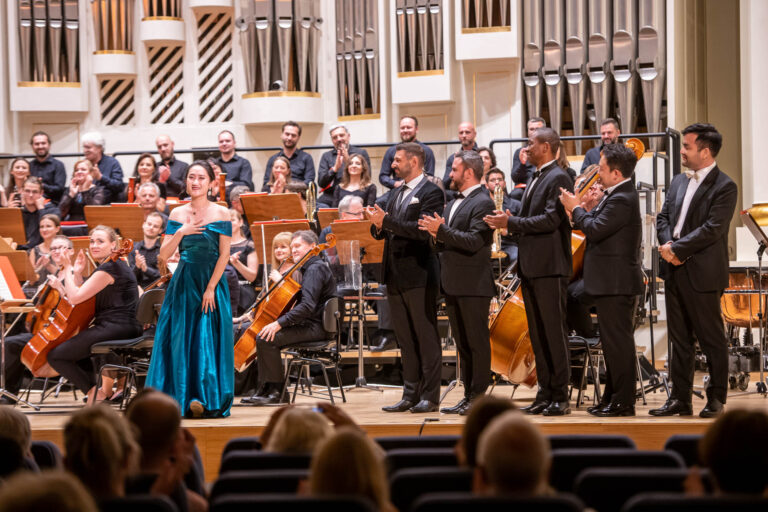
x=273 y=398
x=456 y=408
x=536 y=407
x=386 y=343
x=4 y=400
x=465 y=409
x=424 y=406
x=557 y=409
x=713 y=409
x=601 y=405
x=671 y=407
x=401 y=406
x=615 y=410
x=262 y=391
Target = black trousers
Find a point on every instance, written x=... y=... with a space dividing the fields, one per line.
x=66 y=358
x=578 y=314
x=468 y=317
x=614 y=316
x=545 y=303
x=414 y=316
x=270 y=367
x=14 y=369
x=693 y=316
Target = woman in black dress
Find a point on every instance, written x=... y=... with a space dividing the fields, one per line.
x=116 y=291
x=356 y=181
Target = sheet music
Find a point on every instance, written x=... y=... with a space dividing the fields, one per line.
x=5 y=290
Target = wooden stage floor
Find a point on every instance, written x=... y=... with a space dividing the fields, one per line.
x=365 y=407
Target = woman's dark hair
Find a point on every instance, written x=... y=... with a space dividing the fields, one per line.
x=365 y=175
x=205 y=165
x=10 y=186
x=490 y=153
x=155 y=174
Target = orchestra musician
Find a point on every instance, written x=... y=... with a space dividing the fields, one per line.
x=40 y=255
x=612 y=272
x=495 y=178
x=116 y=291
x=692 y=229
x=544 y=267
x=410 y=271
x=143 y=257
x=466 y=277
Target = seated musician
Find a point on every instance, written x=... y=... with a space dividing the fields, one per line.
x=145 y=172
x=350 y=208
x=33 y=208
x=40 y=255
x=82 y=191
x=60 y=250
x=10 y=196
x=148 y=197
x=116 y=296
x=495 y=178
x=245 y=262
x=143 y=258
x=301 y=324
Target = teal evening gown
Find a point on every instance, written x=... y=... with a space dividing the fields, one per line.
x=193 y=356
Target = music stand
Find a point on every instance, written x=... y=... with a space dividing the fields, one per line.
x=371 y=251
x=12 y=225
x=263 y=233
x=754 y=218
x=262 y=206
x=12 y=300
x=125 y=218
x=326 y=216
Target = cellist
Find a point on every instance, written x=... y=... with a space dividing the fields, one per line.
x=301 y=324
x=60 y=252
x=116 y=291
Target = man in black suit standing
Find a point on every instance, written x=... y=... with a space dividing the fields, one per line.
x=612 y=273
x=544 y=267
x=692 y=229
x=466 y=276
x=410 y=271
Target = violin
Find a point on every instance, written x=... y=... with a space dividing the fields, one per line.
x=68 y=320
x=280 y=298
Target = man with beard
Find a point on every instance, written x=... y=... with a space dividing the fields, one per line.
x=171 y=171
x=409 y=128
x=47 y=168
x=302 y=165
x=410 y=271
x=468 y=141
x=333 y=162
x=609 y=134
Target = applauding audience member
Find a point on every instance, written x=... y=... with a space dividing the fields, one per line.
x=83 y=190
x=300 y=163
x=146 y=172
x=47 y=168
x=10 y=196
x=356 y=181
x=106 y=169
x=280 y=176
x=143 y=258
x=40 y=255
x=330 y=171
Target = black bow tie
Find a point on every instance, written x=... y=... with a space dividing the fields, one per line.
x=536 y=174
x=460 y=196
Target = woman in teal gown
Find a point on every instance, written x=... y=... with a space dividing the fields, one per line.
x=193 y=354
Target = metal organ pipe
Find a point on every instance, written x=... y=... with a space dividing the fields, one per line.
x=624 y=58
x=576 y=63
x=532 y=55
x=651 y=60
x=554 y=58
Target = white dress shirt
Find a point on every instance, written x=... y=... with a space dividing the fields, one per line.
x=409 y=187
x=530 y=187
x=457 y=202
x=693 y=186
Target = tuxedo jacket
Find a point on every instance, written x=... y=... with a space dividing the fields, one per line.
x=409 y=259
x=614 y=234
x=544 y=227
x=703 y=242
x=464 y=245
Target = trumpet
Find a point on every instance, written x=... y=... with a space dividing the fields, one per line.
x=498 y=202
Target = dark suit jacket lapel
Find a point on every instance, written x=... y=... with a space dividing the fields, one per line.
x=461 y=205
x=703 y=188
x=402 y=206
x=679 y=196
x=528 y=195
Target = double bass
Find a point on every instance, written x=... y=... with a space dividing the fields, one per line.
x=512 y=354
x=68 y=320
x=280 y=298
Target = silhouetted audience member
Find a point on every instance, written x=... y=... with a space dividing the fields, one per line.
x=482 y=413
x=52 y=491
x=297 y=430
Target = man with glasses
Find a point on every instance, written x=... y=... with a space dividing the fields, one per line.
x=33 y=207
x=495 y=178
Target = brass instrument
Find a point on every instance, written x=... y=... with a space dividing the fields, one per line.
x=637 y=146
x=311 y=202
x=498 y=201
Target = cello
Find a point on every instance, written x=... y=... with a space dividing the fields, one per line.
x=68 y=320
x=280 y=298
x=512 y=354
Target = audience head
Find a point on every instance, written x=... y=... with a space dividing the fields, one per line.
x=100 y=450
x=349 y=463
x=237 y=220
x=146 y=168
x=737 y=440
x=409 y=160
x=488 y=156
x=357 y=166
x=467 y=135
x=199 y=177
x=41 y=144
x=32 y=191
x=409 y=128
x=298 y=430
x=301 y=242
x=298 y=187
x=103 y=241
x=234 y=197
x=617 y=163
x=20 y=171
x=534 y=124
x=483 y=411
x=226 y=143
x=14 y=425
x=93 y=146
x=467 y=170
x=351 y=208
x=12 y=459
x=82 y=174
x=281 y=248
x=164 y=147
x=147 y=195
x=153 y=226
x=609 y=131
x=339 y=135
x=701 y=144
x=512 y=457
x=281 y=166
x=156 y=419
x=542 y=146
x=45 y=492
x=495 y=178
x=290 y=134
x=50 y=226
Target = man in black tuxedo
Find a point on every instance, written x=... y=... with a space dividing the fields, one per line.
x=612 y=272
x=544 y=267
x=410 y=271
x=466 y=276
x=692 y=229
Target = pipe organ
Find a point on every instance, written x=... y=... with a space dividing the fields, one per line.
x=419 y=35
x=113 y=25
x=357 y=57
x=48 y=40
x=484 y=13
